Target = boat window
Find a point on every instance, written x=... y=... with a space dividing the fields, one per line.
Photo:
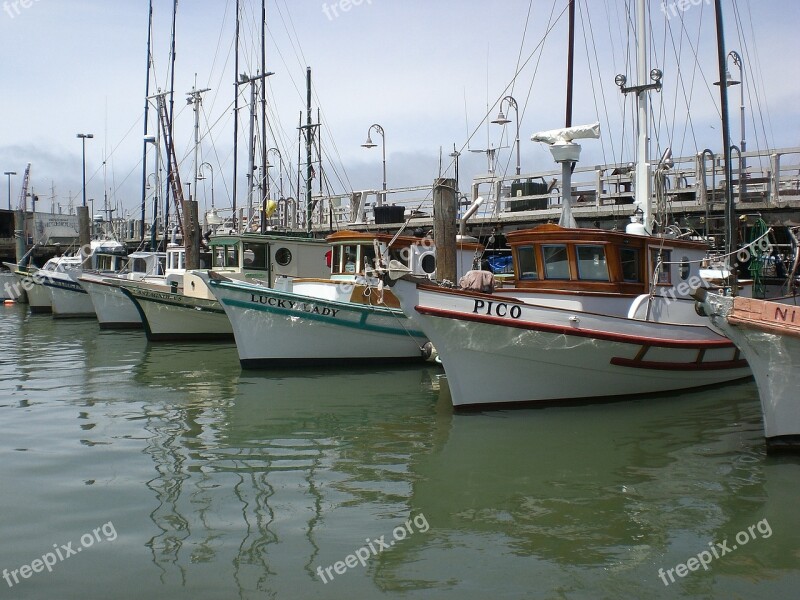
x=345 y=259
x=629 y=259
x=104 y=262
x=139 y=265
x=255 y=256
x=592 y=264
x=685 y=269
x=368 y=254
x=556 y=261
x=663 y=275
x=162 y=264
x=226 y=256
x=283 y=256
x=526 y=263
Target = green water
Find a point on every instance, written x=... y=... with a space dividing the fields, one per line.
x=201 y=481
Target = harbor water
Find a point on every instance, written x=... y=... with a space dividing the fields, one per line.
x=133 y=470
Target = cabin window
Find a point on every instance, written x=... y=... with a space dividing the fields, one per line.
x=226 y=257
x=139 y=265
x=104 y=262
x=556 y=261
x=368 y=255
x=526 y=263
x=629 y=260
x=685 y=269
x=255 y=256
x=345 y=259
x=663 y=274
x=592 y=264
x=162 y=264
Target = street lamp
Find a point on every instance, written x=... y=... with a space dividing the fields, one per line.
x=9 y=174
x=502 y=120
x=83 y=137
x=201 y=177
x=370 y=144
x=730 y=81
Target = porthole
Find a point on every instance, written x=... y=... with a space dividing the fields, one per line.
x=428 y=263
x=283 y=256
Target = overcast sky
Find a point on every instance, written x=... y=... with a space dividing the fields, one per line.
x=425 y=70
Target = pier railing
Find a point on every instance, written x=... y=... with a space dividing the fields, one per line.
x=761 y=179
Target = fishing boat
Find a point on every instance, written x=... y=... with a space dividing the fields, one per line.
x=768 y=335
x=344 y=319
x=113 y=308
x=67 y=296
x=31 y=279
x=188 y=311
x=591 y=314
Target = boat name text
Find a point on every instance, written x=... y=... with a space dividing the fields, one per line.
x=497 y=309
x=292 y=305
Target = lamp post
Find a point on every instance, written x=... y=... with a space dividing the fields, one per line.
x=9 y=174
x=737 y=60
x=202 y=176
x=502 y=120
x=280 y=167
x=83 y=137
x=370 y=144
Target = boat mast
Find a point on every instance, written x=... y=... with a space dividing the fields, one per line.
x=642 y=154
x=570 y=62
x=168 y=133
x=146 y=120
x=264 y=173
x=236 y=115
x=309 y=167
x=730 y=208
x=566 y=219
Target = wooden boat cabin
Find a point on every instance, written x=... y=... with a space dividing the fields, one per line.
x=595 y=261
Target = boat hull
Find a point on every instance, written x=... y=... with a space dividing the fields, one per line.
x=11 y=287
x=281 y=329
x=113 y=308
x=69 y=299
x=507 y=352
x=768 y=334
x=171 y=316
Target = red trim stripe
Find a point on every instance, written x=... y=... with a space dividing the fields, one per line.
x=671 y=366
x=587 y=333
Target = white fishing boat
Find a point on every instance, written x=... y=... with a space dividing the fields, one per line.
x=768 y=335
x=113 y=308
x=585 y=319
x=343 y=319
x=67 y=296
x=189 y=311
x=30 y=279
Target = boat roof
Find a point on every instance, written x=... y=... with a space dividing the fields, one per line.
x=265 y=238
x=552 y=233
x=348 y=236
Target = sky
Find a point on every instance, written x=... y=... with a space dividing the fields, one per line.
x=428 y=71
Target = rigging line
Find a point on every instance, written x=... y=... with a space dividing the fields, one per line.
x=591 y=77
x=754 y=91
x=769 y=139
x=519 y=58
x=684 y=34
x=216 y=156
x=478 y=127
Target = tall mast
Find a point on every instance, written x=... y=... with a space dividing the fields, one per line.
x=730 y=208
x=236 y=116
x=264 y=173
x=168 y=134
x=146 y=119
x=570 y=62
x=642 y=155
x=309 y=168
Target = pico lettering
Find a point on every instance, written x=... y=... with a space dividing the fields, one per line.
x=497 y=309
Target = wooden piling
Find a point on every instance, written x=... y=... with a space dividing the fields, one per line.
x=445 y=227
x=191 y=234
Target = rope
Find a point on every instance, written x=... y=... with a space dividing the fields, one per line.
x=750 y=245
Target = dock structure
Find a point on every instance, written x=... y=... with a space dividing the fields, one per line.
x=602 y=196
